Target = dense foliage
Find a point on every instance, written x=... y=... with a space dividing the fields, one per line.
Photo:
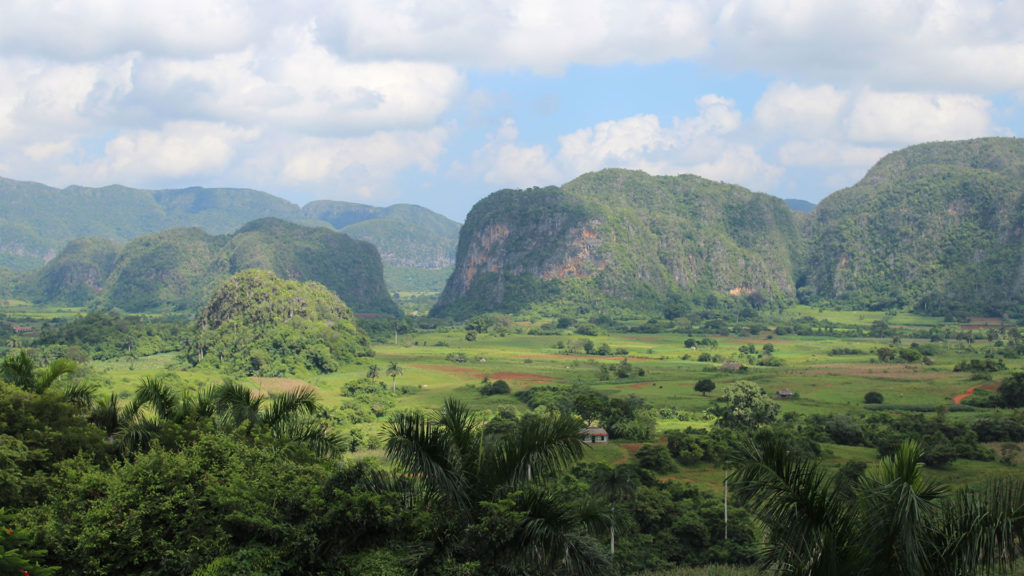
x=177 y=269
x=39 y=220
x=257 y=323
x=621 y=239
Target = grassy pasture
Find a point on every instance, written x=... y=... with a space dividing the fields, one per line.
x=824 y=382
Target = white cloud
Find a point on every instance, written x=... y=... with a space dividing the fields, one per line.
x=537 y=34
x=954 y=45
x=298 y=83
x=903 y=117
x=829 y=153
x=792 y=109
x=178 y=149
x=326 y=162
x=85 y=30
x=740 y=165
x=700 y=145
x=504 y=163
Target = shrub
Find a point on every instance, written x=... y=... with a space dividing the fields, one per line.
x=873 y=398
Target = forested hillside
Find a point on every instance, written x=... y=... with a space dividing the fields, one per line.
x=936 y=227
x=257 y=323
x=38 y=220
x=619 y=238
x=176 y=270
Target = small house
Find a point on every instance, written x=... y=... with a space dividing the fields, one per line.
x=783 y=394
x=594 y=435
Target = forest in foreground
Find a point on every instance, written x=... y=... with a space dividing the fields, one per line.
x=441 y=447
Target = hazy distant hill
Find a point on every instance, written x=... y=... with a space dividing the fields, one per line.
x=175 y=270
x=619 y=238
x=937 y=227
x=406 y=235
x=800 y=205
x=36 y=220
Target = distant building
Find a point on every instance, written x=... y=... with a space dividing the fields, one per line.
x=784 y=394
x=594 y=435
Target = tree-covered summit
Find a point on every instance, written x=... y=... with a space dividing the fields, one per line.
x=257 y=323
x=621 y=239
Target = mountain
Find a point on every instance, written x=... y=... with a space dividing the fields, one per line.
x=936 y=227
x=37 y=220
x=406 y=235
x=76 y=276
x=175 y=270
x=619 y=238
x=800 y=205
x=256 y=323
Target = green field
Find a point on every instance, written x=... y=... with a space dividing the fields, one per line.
x=823 y=383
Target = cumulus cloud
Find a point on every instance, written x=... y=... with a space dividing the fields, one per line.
x=543 y=36
x=178 y=149
x=88 y=30
x=315 y=160
x=793 y=109
x=698 y=145
x=913 y=117
x=959 y=45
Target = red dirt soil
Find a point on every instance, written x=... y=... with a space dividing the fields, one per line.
x=960 y=397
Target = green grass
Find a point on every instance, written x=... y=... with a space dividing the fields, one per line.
x=824 y=383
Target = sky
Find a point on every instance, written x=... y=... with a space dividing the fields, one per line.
x=441 y=102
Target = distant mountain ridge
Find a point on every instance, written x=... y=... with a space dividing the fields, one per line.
x=621 y=238
x=937 y=228
x=38 y=220
x=176 y=270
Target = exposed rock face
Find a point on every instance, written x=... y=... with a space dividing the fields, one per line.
x=621 y=237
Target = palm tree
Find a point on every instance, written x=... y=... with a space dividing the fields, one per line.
x=898 y=523
x=460 y=468
x=394 y=370
x=373 y=372
x=20 y=370
x=615 y=484
x=289 y=416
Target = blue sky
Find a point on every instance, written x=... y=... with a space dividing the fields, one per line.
x=441 y=102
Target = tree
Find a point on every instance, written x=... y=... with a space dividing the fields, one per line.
x=897 y=522
x=20 y=370
x=373 y=372
x=394 y=371
x=704 y=385
x=873 y=398
x=745 y=404
x=615 y=484
x=468 y=473
x=1011 y=391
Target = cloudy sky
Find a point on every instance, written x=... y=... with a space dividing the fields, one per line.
x=440 y=102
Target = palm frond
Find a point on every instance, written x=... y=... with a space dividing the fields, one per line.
x=106 y=414
x=808 y=524
x=19 y=370
x=238 y=403
x=289 y=405
x=898 y=511
x=80 y=394
x=53 y=372
x=553 y=535
x=539 y=446
x=157 y=393
x=421 y=447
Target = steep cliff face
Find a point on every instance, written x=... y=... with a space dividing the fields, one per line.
x=936 y=227
x=623 y=238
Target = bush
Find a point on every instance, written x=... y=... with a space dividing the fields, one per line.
x=873 y=398
x=496 y=387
